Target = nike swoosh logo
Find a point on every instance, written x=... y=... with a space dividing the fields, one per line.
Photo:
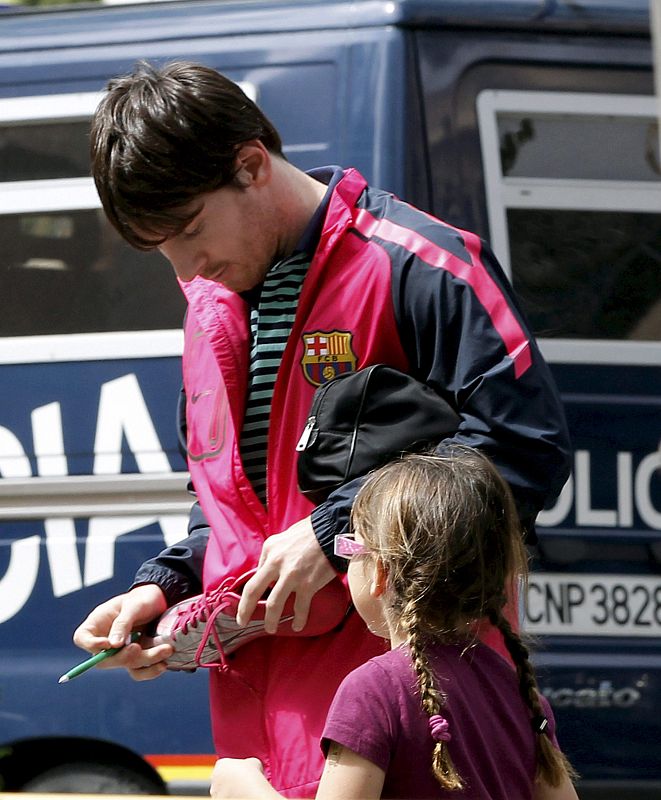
x=197 y=395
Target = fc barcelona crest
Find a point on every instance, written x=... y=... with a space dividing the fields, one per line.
x=327 y=354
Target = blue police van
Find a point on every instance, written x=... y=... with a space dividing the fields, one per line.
x=531 y=122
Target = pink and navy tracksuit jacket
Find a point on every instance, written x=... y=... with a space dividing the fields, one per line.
x=387 y=284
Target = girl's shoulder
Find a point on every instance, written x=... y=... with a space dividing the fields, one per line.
x=450 y=653
x=459 y=656
x=394 y=668
x=385 y=680
x=398 y=660
x=386 y=665
x=453 y=662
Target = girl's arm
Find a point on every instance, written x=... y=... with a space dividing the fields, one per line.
x=240 y=778
x=346 y=776
x=349 y=776
x=565 y=791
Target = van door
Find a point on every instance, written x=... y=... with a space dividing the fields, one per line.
x=546 y=144
x=574 y=200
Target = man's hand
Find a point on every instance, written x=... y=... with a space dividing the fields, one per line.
x=111 y=624
x=291 y=561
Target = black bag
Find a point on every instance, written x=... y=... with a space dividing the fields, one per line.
x=360 y=420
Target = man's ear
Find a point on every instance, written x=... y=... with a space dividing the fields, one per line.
x=253 y=164
x=379 y=579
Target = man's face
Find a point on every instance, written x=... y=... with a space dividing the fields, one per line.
x=231 y=240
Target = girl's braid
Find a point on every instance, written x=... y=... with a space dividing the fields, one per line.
x=431 y=698
x=552 y=765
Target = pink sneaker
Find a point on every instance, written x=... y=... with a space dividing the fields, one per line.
x=203 y=629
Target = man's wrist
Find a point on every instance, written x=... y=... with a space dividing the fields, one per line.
x=325 y=532
x=174 y=586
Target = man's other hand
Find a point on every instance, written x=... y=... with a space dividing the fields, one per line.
x=291 y=562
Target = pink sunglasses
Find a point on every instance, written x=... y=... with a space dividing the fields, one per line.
x=347 y=546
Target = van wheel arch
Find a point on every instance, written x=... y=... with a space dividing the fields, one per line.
x=62 y=764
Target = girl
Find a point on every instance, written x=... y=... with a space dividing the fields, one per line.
x=436 y=544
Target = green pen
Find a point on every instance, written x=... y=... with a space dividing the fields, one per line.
x=74 y=672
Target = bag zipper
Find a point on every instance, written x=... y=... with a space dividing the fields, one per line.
x=305 y=436
x=316 y=405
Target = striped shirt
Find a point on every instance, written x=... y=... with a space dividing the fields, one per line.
x=271 y=323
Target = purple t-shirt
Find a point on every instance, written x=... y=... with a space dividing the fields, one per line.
x=377 y=714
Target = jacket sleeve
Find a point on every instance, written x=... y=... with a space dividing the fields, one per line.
x=177 y=570
x=453 y=331
x=469 y=341
x=332 y=518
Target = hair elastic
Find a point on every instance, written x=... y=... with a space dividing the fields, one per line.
x=540 y=724
x=439 y=728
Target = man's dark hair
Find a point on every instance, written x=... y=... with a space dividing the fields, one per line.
x=163 y=136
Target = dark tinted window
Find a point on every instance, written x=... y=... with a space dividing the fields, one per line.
x=590 y=275
x=69 y=272
x=53 y=150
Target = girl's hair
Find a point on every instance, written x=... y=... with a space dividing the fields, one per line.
x=446 y=529
x=161 y=137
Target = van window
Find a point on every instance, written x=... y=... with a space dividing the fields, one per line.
x=63 y=268
x=37 y=151
x=597 y=276
x=573 y=190
x=535 y=145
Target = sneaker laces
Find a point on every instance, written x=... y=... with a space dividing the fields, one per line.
x=204 y=611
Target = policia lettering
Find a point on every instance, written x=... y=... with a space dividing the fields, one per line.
x=122 y=416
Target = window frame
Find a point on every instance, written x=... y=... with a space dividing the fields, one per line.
x=67 y=194
x=72 y=194
x=503 y=193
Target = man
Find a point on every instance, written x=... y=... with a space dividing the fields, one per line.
x=291 y=277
